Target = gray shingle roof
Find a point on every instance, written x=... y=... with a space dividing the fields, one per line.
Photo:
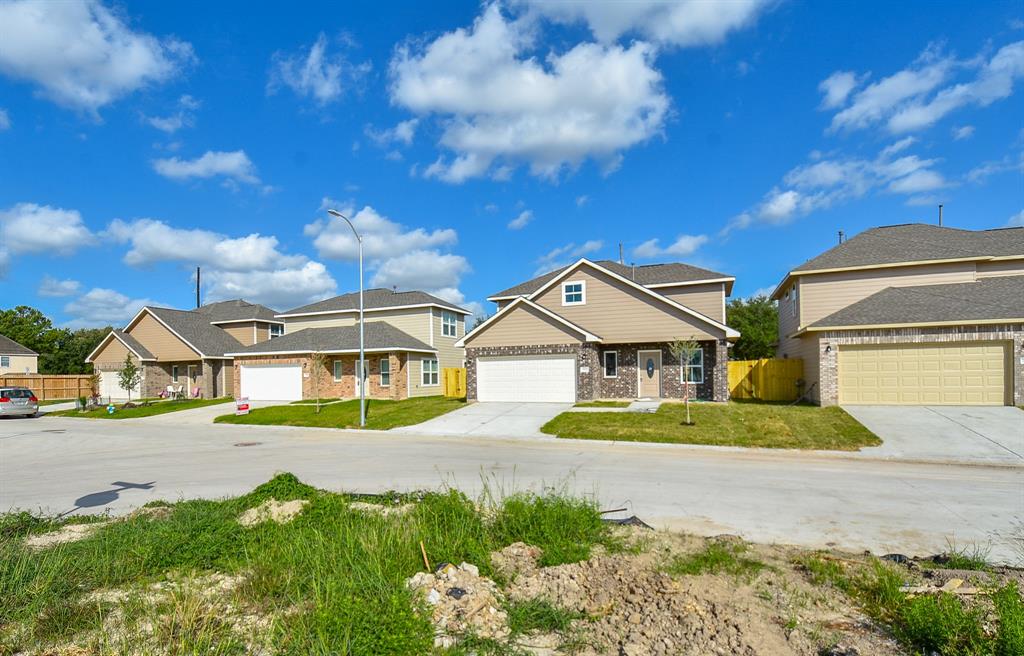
x=646 y=274
x=134 y=344
x=236 y=310
x=195 y=328
x=914 y=242
x=987 y=299
x=377 y=335
x=374 y=298
x=10 y=347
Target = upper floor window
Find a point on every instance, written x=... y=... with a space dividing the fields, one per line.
x=449 y=324
x=276 y=330
x=792 y=302
x=574 y=293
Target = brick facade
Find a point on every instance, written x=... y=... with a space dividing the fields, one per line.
x=590 y=380
x=829 y=343
x=345 y=386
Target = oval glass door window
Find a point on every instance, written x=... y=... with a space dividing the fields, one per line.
x=650 y=367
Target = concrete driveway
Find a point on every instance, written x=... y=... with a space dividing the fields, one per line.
x=492 y=420
x=957 y=434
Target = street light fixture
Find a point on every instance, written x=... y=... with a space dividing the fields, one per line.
x=361 y=368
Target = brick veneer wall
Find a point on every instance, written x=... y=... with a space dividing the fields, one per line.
x=344 y=388
x=829 y=342
x=590 y=380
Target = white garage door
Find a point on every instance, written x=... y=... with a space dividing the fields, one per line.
x=550 y=379
x=271 y=382
x=970 y=373
x=110 y=387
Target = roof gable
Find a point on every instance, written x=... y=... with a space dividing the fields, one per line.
x=538 y=313
x=132 y=344
x=373 y=299
x=377 y=336
x=10 y=347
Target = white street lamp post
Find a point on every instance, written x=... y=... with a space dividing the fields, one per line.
x=361 y=367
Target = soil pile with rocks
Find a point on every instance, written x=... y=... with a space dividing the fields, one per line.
x=64 y=535
x=381 y=509
x=462 y=602
x=273 y=510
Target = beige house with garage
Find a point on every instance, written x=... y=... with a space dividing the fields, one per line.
x=602 y=330
x=183 y=349
x=17 y=359
x=910 y=314
x=409 y=337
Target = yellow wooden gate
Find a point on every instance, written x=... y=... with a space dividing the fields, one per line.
x=454 y=382
x=771 y=379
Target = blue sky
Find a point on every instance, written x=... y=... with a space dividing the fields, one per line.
x=479 y=144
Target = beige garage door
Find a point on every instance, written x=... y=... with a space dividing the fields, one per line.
x=924 y=374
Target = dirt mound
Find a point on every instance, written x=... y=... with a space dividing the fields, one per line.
x=517 y=559
x=463 y=602
x=272 y=510
x=63 y=535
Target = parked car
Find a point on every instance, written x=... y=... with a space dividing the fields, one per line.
x=18 y=402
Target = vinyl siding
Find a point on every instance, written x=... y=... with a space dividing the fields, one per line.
x=241 y=331
x=824 y=293
x=413 y=321
x=708 y=299
x=1000 y=268
x=448 y=355
x=524 y=326
x=620 y=314
x=159 y=341
x=113 y=353
x=19 y=364
x=262 y=332
x=416 y=387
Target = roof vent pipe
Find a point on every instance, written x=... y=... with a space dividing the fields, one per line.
x=940 y=215
x=621 y=261
x=394 y=289
x=633 y=264
x=842 y=236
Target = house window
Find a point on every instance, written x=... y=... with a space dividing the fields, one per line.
x=449 y=324
x=337 y=371
x=5 y=360
x=385 y=372
x=276 y=330
x=428 y=372
x=695 y=368
x=792 y=303
x=574 y=293
x=174 y=373
x=611 y=364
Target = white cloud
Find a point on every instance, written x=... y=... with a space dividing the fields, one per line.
x=582 y=200
x=316 y=74
x=898 y=146
x=81 y=54
x=520 y=221
x=31 y=228
x=918 y=181
x=680 y=23
x=382 y=237
x=104 y=307
x=428 y=270
x=1016 y=221
x=53 y=288
x=565 y=255
x=234 y=165
x=5 y=120
x=963 y=132
x=184 y=117
x=402 y=133
x=979 y=174
x=501 y=106
x=279 y=288
x=836 y=88
x=683 y=246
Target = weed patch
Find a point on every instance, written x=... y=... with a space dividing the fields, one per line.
x=716 y=558
x=539 y=615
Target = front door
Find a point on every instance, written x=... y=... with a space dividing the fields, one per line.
x=649 y=371
x=195 y=380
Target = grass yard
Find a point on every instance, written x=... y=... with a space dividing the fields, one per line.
x=155 y=408
x=767 y=425
x=55 y=401
x=329 y=399
x=380 y=414
x=602 y=404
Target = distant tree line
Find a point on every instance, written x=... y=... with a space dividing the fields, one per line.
x=61 y=350
x=757 y=319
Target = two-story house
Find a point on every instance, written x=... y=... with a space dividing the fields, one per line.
x=408 y=338
x=909 y=314
x=184 y=349
x=602 y=330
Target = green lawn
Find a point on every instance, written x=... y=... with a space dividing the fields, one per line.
x=380 y=415
x=730 y=424
x=157 y=408
x=313 y=401
x=602 y=404
x=55 y=401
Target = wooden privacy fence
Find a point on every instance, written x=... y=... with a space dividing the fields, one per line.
x=771 y=379
x=453 y=382
x=48 y=387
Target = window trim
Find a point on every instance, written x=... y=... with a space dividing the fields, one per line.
x=582 y=292
x=454 y=325
x=279 y=327
x=700 y=367
x=338 y=370
x=436 y=372
x=381 y=372
x=793 y=295
x=604 y=363
x=5 y=361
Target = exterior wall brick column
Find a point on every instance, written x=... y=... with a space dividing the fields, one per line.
x=209 y=385
x=720 y=381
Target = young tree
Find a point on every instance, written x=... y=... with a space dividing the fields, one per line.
x=129 y=376
x=757 y=319
x=318 y=361
x=684 y=350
